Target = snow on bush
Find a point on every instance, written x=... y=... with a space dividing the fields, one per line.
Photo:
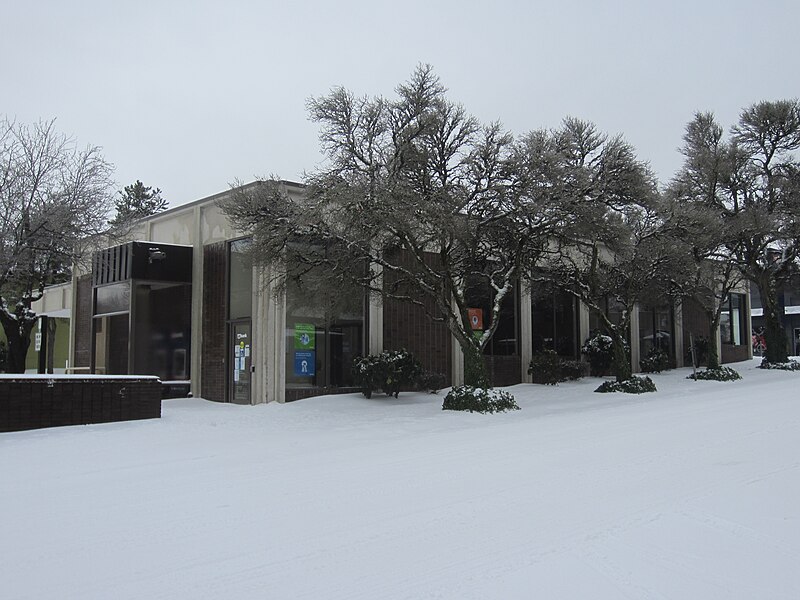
x=480 y=400
x=390 y=371
x=634 y=385
x=548 y=368
x=718 y=374
x=599 y=349
x=792 y=365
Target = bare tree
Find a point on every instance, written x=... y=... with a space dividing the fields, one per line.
x=764 y=203
x=52 y=195
x=697 y=198
x=746 y=193
x=611 y=247
x=417 y=202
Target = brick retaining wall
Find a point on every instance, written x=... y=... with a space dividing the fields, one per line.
x=34 y=402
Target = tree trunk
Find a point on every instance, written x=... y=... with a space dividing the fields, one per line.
x=712 y=360
x=774 y=334
x=475 y=373
x=622 y=363
x=18 y=336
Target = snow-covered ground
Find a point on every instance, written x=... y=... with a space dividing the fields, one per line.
x=689 y=493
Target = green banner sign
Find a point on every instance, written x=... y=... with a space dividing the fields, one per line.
x=304 y=336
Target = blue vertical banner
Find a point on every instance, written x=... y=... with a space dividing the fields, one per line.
x=305 y=363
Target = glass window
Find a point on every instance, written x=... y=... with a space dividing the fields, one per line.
x=324 y=331
x=655 y=330
x=111 y=345
x=480 y=297
x=612 y=308
x=113 y=298
x=732 y=324
x=553 y=321
x=162 y=329
x=240 y=281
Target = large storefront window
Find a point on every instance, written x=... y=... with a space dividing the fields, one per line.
x=324 y=332
x=612 y=308
x=162 y=327
x=554 y=321
x=110 y=327
x=141 y=312
x=656 y=330
x=732 y=324
x=480 y=298
x=143 y=328
x=240 y=281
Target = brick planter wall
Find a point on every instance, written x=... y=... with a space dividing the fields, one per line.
x=33 y=402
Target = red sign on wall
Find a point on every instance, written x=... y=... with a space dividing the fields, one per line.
x=475 y=317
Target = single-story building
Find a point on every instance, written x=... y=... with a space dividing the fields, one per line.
x=181 y=300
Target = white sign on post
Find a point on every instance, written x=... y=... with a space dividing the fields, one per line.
x=38 y=342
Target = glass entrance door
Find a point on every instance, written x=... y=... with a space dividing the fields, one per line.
x=239 y=367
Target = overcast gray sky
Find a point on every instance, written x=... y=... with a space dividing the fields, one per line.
x=190 y=96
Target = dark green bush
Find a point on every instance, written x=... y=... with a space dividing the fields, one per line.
x=390 y=371
x=656 y=361
x=549 y=368
x=480 y=400
x=719 y=374
x=792 y=365
x=369 y=373
x=634 y=385
x=599 y=349
x=429 y=381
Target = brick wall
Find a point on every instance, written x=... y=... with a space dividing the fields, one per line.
x=33 y=403
x=83 y=322
x=212 y=385
x=406 y=325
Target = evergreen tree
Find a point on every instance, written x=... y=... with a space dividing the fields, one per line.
x=137 y=201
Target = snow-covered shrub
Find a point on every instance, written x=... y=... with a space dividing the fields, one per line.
x=431 y=382
x=792 y=365
x=369 y=373
x=718 y=374
x=634 y=385
x=599 y=349
x=656 y=361
x=549 y=368
x=390 y=371
x=480 y=400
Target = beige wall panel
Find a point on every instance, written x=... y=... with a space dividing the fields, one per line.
x=177 y=228
x=214 y=225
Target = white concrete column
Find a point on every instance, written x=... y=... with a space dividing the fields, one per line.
x=634 y=339
x=748 y=321
x=276 y=344
x=583 y=323
x=375 y=318
x=197 y=302
x=260 y=336
x=525 y=331
x=457 y=358
x=73 y=320
x=677 y=327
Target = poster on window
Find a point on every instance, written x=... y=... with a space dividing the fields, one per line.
x=305 y=363
x=304 y=336
x=475 y=318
